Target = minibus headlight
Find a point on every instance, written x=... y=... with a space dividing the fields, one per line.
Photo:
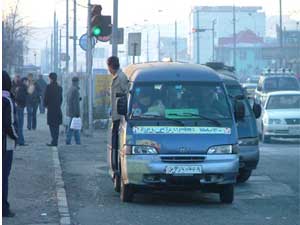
x=141 y=150
x=223 y=149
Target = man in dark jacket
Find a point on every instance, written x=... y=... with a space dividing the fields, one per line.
x=20 y=99
x=53 y=101
x=9 y=138
x=73 y=110
x=32 y=102
x=42 y=84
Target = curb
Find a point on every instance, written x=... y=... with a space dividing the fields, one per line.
x=62 y=203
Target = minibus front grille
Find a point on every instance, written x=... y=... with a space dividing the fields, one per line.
x=182 y=159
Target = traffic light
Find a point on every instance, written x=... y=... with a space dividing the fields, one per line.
x=100 y=25
x=106 y=26
x=96 y=20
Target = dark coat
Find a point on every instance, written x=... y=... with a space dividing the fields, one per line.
x=42 y=85
x=53 y=101
x=73 y=102
x=9 y=126
x=34 y=98
x=21 y=95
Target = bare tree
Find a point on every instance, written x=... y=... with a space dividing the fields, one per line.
x=14 y=40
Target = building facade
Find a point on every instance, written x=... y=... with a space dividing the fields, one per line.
x=249 y=55
x=201 y=43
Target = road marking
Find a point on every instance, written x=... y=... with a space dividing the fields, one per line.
x=262 y=187
x=62 y=203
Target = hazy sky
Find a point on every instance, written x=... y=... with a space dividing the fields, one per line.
x=40 y=12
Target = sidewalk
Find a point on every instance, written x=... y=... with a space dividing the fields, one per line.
x=32 y=191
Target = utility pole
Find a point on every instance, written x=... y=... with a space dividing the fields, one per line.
x=59 y=57
x=47 y=57
x=213 y=39
x=67 y=36
x=234 y=38
x=51 y=54
x=198 y=39
x=74 y=41
x=158 y=45
x=147 y=45
x=55 y=45
x=175 y=53
x=115 y=29
x=280 y=33
x=298 y=49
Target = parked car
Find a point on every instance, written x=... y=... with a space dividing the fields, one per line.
x=179 y=132
x=280 y=116
x=247 y=129
x=277 y=80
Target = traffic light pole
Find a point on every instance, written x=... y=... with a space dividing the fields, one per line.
x=115 y=29
x=74 y=40
x=89 y=64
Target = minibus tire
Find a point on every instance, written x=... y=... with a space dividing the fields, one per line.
x=126 y=192
x=243 y=175
x=227 y=193
x=117 y=182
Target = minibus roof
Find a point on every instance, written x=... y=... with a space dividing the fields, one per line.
x=170 y=71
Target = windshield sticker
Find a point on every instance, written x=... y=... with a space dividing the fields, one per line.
x=157 y=86
x=180 y=130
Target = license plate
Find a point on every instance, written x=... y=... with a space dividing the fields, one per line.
x=183 y=170
x=294 y=130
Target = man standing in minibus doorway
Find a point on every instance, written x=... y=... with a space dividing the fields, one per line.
x=119 y=85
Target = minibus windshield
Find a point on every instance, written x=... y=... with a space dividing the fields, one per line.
x=185 y=100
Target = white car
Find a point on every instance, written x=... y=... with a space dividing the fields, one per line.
x=280 y=116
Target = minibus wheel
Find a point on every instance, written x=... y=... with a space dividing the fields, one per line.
x=227 y=193
x=243 y=175
x=117 y=182
x=126 y=192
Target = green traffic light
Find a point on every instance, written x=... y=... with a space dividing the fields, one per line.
x=96 y=31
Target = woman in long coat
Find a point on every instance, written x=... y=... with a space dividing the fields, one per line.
x=53 y=101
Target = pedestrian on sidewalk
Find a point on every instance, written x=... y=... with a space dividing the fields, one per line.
x=14 y=84
x=20 y=99
x=53 y=101
x=119 y=86
x=73 y=110
x=42 y=84
x=33 y=96
x=9 y=139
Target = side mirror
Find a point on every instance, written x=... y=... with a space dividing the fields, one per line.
x=239 y=110
x=257 y=110
x=122 y=106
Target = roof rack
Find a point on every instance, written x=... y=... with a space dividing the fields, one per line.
x=221 y=66
x=280 y=71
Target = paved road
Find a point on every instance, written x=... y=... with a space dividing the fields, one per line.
x=270 y=197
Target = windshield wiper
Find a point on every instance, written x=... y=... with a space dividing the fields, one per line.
x=151 y=116
x=199 y=116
